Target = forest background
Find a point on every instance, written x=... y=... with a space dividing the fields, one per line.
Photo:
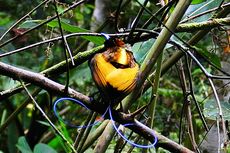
x=182 y=47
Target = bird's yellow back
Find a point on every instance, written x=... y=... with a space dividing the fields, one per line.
x=114 y=72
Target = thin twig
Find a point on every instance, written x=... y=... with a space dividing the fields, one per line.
x=153 y=16
x=64 y=44
x=154 y=96
x=187 y=50
x=193 y=95
x=136 y=20
x=69 y=51
x=190 y=126
x=220 y=111
x=180 y=69
x=187 y=104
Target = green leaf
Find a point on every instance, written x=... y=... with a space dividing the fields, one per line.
x=76 y=29
x=211 y=110
x=141 y=49
x=43 y=148
x=23 y=146
x=210 y=56
x=65 y=26
x=197 y=1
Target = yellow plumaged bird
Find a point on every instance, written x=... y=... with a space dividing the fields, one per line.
x=114 y=71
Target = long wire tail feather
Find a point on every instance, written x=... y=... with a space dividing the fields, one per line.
x=77 y=102
x=126 y=139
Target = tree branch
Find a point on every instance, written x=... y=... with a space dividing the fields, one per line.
x=206 y=25
x=56 y=69
x=56 y=88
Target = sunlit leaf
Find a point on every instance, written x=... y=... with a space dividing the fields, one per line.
x=79 y=16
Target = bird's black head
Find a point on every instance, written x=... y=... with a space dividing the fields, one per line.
x=112 y=41
x=109 y=41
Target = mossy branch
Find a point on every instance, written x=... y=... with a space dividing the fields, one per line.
x=57 y=69
x=206 y=25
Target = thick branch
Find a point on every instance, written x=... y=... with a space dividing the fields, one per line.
x=54 y=87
